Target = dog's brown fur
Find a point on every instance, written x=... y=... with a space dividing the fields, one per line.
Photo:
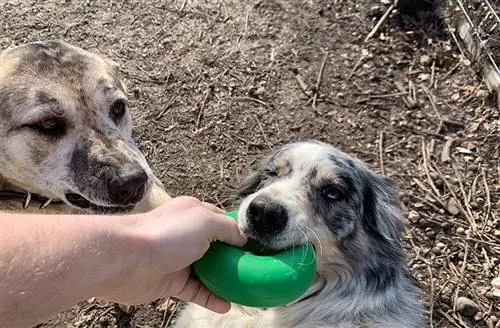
x=51 y=82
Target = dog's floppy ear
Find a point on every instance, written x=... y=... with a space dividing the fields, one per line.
x=382 y=218
x=250 y=183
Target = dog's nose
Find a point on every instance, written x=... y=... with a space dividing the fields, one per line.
x=128 y=187
x=266 y=216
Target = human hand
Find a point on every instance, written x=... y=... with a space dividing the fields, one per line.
x=160 y=247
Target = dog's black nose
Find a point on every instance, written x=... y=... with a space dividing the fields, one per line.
x=128 y=187
x=266 y=216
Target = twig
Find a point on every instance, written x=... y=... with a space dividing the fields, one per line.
x=170 y=317
x=358 y=62
x=252 y=99
x=380 y=22
x=100 y=316
x=428 y=191
x=202 y=108
x=263 y=133
x=183 y=5
x=433 y=73
x=426 y=168
x=381 y=151
x=450 y=319
x=166 y=107
x=318 y=80
x=462 y=189
x=488 y=197
x=431 y=307
x=454 y=195
x=302 y=84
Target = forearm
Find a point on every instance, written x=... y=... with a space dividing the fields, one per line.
x=49 y=263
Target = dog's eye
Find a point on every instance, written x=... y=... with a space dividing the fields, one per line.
x=54 y=127
x=117 y=110
x=331 y=193
x=271 y=172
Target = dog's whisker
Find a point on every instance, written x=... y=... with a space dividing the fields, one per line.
x=320 y=246
x=27 y=201
x=46 y=203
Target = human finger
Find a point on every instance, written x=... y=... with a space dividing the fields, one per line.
x=194 y=291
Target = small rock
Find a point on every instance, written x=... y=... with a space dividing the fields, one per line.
x=413 y=216
x=479 y=316
x=467 y=307
x=460 y=230
x=423 y=77
x=495 y=283
x=496 y=233
x=453 y=207
x=425 y=60
x=440 y=245
x=482 y=93
x=461 y=255
x=493 y=319
x=474 y=205
x=436 y=250
x=446 y=225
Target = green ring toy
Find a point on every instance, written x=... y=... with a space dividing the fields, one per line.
x=239 y=275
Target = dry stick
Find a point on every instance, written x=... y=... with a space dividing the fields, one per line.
x=303 y=85
x=450 y=319
x=488 y=197
x=428 y=191
x=358 y=62
x=431 y=307
x=462 y=189
x=380 y=22
x=183 y=5
x=202 y=108
x=166 y=107
x=170 y=317
x=433 y=72
x=426 y=168
x=100 y=316
x=381 y=151
x=434 y=107
x=454 y=195
x=318 y=81
x=263 y=133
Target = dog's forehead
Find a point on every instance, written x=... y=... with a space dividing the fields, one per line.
x=316 y=160
x=57 y=61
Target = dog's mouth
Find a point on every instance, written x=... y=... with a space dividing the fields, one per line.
x=82 y=202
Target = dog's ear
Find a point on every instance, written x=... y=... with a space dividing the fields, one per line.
x=382 y=218
x=250 y=183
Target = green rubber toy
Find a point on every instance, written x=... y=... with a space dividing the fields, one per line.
x=241 y=276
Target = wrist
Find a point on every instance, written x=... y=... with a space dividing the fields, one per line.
x=125 y=254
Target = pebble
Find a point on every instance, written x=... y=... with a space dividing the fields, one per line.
x=496 y=233
x=425 y=60
x=453 y=207
x=440 y=245
x=467 y=307
x=495 y=283
x=460 y=230
x=446 y=225
x=482 y=93
x=436 y=250
x=413 y=216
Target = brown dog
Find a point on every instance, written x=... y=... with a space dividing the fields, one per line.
x=66 y=135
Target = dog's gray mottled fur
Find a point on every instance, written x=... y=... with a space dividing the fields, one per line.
x=311 y=191
x=66 y=134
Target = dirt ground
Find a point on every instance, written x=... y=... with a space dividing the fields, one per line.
x=215 y=83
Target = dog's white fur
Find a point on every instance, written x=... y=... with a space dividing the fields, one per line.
x=355 y=234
